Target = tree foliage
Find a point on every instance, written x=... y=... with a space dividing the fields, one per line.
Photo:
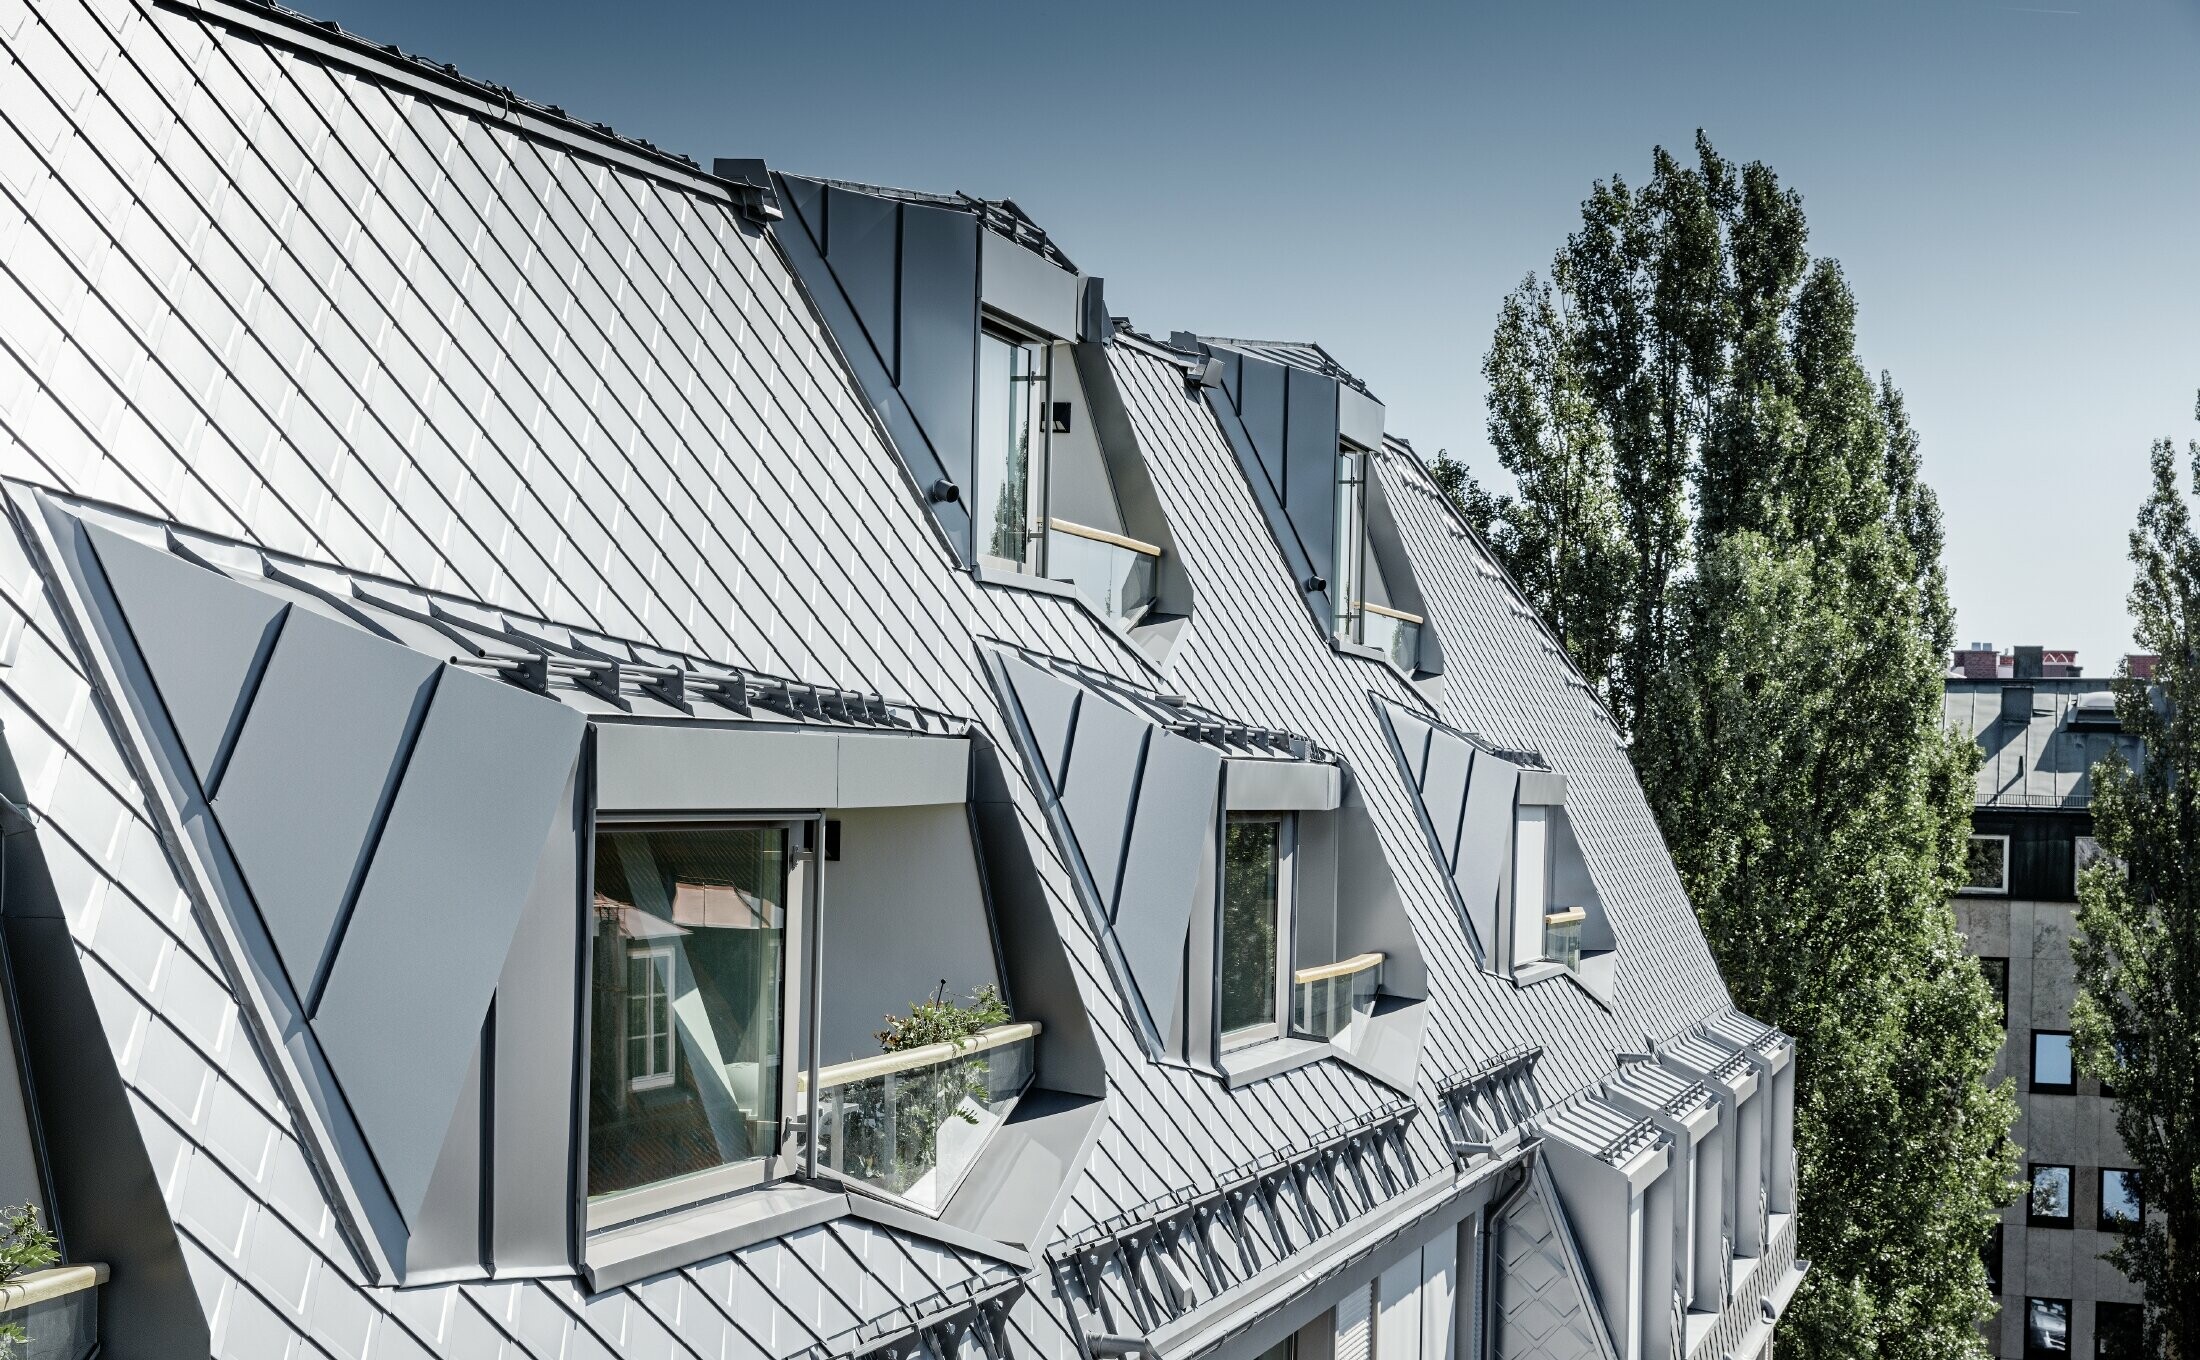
x=1722 y=514
x=2136 y=1021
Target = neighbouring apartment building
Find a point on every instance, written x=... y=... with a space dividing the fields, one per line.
x=532 y=672
x=2040 y=726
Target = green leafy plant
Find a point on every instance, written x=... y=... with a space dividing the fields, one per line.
x=25 y=1246
x=887 y=1128
x=943 y=1021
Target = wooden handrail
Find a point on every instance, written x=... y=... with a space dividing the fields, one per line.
x=41 y=1285
x=1387 y=612
x=1076 y=530
x=1569 y=916
x=1358 y=963
x=910 y=1059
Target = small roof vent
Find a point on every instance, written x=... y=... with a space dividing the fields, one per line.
x=2097 y=712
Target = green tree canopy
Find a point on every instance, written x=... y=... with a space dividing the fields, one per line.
x=1722 y=514
x=2136 y=1021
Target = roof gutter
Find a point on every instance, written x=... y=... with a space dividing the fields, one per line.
x=1354 y=1255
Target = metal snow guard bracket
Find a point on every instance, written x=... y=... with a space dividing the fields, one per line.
x=1486 y=1108
x=1129 y=1276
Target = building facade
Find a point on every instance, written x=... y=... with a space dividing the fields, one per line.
x=609 y=758
x=2040 y=733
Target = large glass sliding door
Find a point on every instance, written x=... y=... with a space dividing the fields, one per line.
x=1006 y=510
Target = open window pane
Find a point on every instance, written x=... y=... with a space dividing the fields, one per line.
x=688 y=1002
x=1351 y=546
x=1252 y=877
x=1010 y=386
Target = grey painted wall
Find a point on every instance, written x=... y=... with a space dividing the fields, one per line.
x=903 y=909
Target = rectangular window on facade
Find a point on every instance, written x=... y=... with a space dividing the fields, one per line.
x=1997 y=981
x=2052 y=1073
x=2122 y=1207
x=1351 y=546
x=1006 y=502
x=2048 y=1205
x=1986 y=867
x=2119 y=1331
x=688 y=1003
x=1991 y=1252
x=2046 y=1328
x=2122 y=1047
x=1255 y=926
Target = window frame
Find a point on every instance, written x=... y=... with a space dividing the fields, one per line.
x=2032 y=1217
x=2041 y=1352
x=2100 y=1201
x=2135 y=1318
x=1349 y=529
x=1038 y=484
x=1287 y=838
x=1972 y=890
x=656 y=1080
x=2033 y=1084
x=798 y=1040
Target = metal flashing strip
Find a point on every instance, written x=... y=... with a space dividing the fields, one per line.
x=1128 y=1277
x=1174 y=713
x=494 y=103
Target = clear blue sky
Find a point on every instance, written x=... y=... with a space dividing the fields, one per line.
x=2013 y=188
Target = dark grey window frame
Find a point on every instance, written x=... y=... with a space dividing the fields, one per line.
x=2032 y=1352
x=1968 y=889
x=2100 y=1200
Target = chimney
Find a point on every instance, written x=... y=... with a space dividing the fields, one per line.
x=2141 y=664
x=1978 y=661
x=2029 y=663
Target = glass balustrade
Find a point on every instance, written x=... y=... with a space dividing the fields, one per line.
x=912 y=1123
x=1562 y=937
x=1116 y=578
x=1324 y=999
x=1396 y=636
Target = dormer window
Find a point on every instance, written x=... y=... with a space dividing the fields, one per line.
x=1008 y=500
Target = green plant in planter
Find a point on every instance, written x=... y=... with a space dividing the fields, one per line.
x=24 y=1246
x=889 y=1125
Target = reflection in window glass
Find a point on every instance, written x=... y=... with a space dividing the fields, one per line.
x=2049 y=1203
x=1252 y=864
x=1987 y=865
x=2046 y=1328
x=1997 y=981
x=1010 y=387
x=684 y=1059
x=1351 y=544
x=2118 y=1331
x=2051 y=1070
x=2121 y=1206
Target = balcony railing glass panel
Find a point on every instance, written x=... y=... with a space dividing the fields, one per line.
x=1396 y=635
x=1115 y=573
x=912 y=1123
x=1324 y=999
x=1562 y=936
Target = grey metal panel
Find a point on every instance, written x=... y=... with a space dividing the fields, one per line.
x=1261 y=407
x=881 y=771
x=1172 y=834
x=1542 y=788
x=534 y=1092
x=680 y=767
x=1283 y=786
x=1104 y=754
x=315 y=766
x=939 y=332
x=1049 y=705
x=1542 y=1309
x=1411 y=737
x=203 y=637
x=1359 y=417
x=807 y=198
x=1310 y=466
x=1444 y=790
x=435 y=919
x=862 y=244
x=1021 y=284
x=1014 y=1193
x=1485 y=842
x=446 y=1237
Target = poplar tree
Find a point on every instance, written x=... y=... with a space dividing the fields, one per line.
x=1722 y=514
x=2136 y=1020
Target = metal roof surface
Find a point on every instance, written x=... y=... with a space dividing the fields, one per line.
x=2034 y=757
